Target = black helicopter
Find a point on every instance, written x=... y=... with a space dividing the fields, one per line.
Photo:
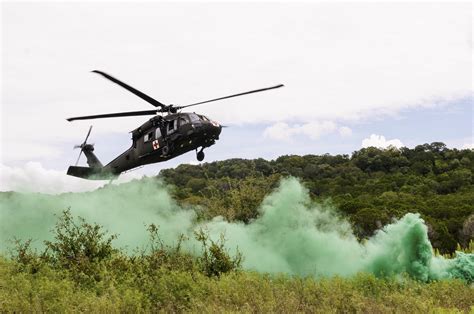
x=168 y=134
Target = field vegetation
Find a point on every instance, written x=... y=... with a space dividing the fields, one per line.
x=81 y=271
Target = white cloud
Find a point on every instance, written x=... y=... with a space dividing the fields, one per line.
x=345 y=131
x=314 y=130
x=278 y=131
x=468 y=146
x=33 y=177
x=381 y=142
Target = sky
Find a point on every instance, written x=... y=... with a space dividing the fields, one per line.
x=356 y=74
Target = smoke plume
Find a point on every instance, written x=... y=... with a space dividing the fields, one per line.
x=291 y=235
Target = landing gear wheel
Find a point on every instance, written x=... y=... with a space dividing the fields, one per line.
x=200 y=156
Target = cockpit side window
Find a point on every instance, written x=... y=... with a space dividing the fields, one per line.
x=157 y=133
x=148 y=137
x=182 y=121
x=171 y=126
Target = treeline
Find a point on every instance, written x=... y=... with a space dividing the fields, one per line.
x=370 y=187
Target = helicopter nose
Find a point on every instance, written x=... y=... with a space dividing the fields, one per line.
x=217 y=128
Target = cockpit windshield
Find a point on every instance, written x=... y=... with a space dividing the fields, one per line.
x=194 y=117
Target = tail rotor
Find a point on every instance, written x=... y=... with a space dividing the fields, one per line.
x=83 y=145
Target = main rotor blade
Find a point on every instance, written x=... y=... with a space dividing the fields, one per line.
x=143 y=96
x=235 y=95
x=115 y=115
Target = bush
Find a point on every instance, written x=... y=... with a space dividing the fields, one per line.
x=215 y=259
x=160 y=255
x=79 y=247
x=26 y=258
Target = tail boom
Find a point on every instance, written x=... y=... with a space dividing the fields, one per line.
x=90 y=173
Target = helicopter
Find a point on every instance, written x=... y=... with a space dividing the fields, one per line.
x=166 y=135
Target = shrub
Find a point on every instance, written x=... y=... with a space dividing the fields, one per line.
x=79 y=247
x=215 y=259
x=26 y=258
x=160 y=255
x=78 y=243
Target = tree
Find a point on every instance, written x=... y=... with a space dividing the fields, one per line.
x=467 y=231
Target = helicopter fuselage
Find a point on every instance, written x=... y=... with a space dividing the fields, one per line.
x=163 y=138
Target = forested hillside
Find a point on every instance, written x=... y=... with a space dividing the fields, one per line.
x=370 y=187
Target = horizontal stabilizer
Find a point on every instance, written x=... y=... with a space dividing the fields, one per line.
x=90 y=173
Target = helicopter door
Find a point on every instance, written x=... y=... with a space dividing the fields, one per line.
x=152 y=141
x=148 y=140
x=158 y=141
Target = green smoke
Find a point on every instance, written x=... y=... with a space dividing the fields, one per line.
x=124 y=209
x=292 y=234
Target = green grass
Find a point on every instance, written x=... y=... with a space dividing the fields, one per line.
x=131 y=290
